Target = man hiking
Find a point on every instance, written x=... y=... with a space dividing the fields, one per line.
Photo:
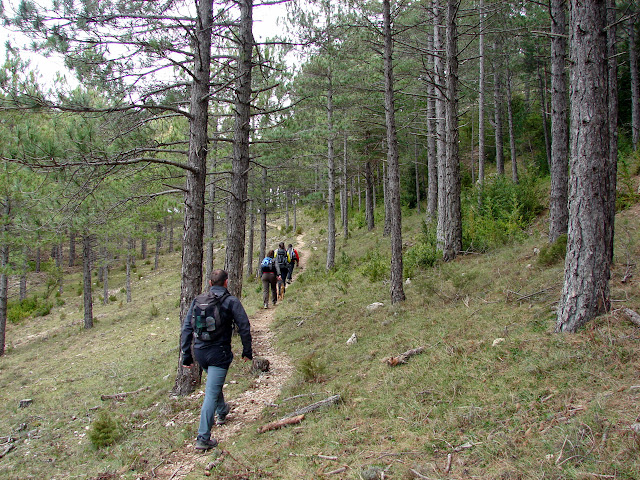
x=208 y=324
x=294 y=259
x=282 y=263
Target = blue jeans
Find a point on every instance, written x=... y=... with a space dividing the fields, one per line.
x=213 y=400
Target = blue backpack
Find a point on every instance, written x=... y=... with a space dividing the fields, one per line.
x=267 y=264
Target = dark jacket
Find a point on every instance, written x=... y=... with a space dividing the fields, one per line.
x=217 y=352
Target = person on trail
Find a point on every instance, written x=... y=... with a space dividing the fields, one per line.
x=213 y=351
x=294 y=259
x=282 y=263
x=269 y=278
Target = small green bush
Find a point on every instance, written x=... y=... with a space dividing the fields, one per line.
x=311 y=369
x=29 y=307
x=375 y=266
x=112 y=298
x=553 y=253
x=299 y=230
x=424 y=254
x=154 y=311
x=104 y=431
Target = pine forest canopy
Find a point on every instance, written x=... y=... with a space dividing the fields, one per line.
x=177 y=108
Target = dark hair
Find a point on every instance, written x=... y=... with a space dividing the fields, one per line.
x=281 y=245
x=290 y=246
x=218 y=277
x=270 y=254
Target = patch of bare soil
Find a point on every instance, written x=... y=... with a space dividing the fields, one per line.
x=247 y=407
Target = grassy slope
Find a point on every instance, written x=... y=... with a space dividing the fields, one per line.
x=536 y=405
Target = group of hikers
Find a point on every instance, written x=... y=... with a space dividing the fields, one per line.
x=207 y=329
x=276 y=270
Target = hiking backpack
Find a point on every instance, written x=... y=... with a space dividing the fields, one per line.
x=282 y=257
x=267 y=264
x=206 y=320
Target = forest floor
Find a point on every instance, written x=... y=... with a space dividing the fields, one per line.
x=246 y=408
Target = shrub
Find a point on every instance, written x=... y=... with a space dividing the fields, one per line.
x=112 y=298
x=104 y=431
x=311 y=369
x=299 y=230
x=550 y=254
x=375 y=266
x=29 y=307
x=154 y=310
x=424 y=254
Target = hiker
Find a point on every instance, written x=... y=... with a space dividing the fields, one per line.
x=269 y=279
x=294 y=259
x=282 y=263
x=214 y=355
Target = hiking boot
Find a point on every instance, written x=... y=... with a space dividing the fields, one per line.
x=206 y=444
x=222 y=417
x=266 y=306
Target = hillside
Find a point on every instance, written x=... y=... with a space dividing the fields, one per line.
x=494 y=394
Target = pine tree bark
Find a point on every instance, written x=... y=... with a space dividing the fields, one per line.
x=432 y=159
x=441 y=127
x=497 y=111
x=72 y=248
x=452 y=221
x=87 y=243
x=635 y=78
x=237 y=211
x=193 y=231
x=558 y=209
x=128 y=269
x=368 y=196
x=210 y=220
x=252 y=223
x=331 y=181
x=4 y=278
x=481 y=101
x=585 y=293
x=345 y=196
x=393 y=187
x=512 y=135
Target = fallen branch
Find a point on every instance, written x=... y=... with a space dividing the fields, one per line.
x=280 y=423
x=7 y=449
x=403 y=357
x=211 y=465
x=120 y=396
x=633 y=316
x=314 y=406
x=337 y=470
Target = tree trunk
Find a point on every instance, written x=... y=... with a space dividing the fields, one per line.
x=497 y=100
x=331 y=194
x=237 y=212
x=287 y=199
x=4 y=277
x=481 y=87
x=105 y=275
x=543 y=111
x=263 y=217
x=23 y=277
x=72 y=248
x=252 y=222
x=612 y=167
x=210 y=219
x=452 y=222
x=128 y=274
x=192 y=244
x=585 y=292
x=417 y=171
x=385 y=194
x=143 y=248
x=87 y=241
x=368 y=202
x=344 y=206
x=441 y=127
x=393 y=187
x=558 y=210
x=156 y=260
x=432 y=159
x=512 y=136
x=635 y=79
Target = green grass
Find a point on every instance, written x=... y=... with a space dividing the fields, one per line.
x=534 y=405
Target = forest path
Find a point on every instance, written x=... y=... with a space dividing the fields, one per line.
x=246 y=408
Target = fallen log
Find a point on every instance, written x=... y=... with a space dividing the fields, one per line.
x=280 y=423
x=631 y=315
x=120 y=396
x=403 y=357
x=7 y=449
x=314 y=406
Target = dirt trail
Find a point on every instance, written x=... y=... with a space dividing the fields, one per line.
x=248 y=406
